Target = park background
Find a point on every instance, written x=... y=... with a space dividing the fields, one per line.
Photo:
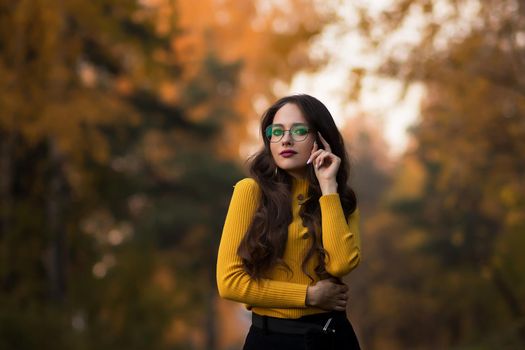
x=124 y=125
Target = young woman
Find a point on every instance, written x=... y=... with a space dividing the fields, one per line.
x=291 y=233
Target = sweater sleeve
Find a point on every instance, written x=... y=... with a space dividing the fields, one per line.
x=340 y=236
x=232 y=281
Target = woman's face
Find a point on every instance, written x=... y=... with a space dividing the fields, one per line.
x=291 y=152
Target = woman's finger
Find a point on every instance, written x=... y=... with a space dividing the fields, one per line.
x=341 y=303
x=317 y=153
x=314 y=155
x=321 y=159
x=339 y=308
x=332 y=158
x=315 y=149
x=325 y=143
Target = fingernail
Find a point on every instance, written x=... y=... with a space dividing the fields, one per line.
x=308 y=161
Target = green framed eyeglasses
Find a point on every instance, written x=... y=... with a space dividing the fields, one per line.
x=298 y=132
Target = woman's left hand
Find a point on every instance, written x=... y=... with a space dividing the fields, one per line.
x=326 y=164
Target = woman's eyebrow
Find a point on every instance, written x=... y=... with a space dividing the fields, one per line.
x=293 y=124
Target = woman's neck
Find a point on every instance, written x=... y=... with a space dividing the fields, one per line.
x=298 y=174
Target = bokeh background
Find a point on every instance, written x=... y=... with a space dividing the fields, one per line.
x=124 y=125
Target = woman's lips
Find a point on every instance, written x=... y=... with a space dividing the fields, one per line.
x=287 y=153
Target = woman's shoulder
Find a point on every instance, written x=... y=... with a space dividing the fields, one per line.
x=247 y=181
x=247 y=184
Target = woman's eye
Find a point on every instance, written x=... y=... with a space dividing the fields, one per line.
x=300 y=131
x=277 y=132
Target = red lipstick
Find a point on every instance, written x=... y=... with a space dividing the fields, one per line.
x=287 y=153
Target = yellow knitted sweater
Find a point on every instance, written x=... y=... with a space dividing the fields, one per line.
x=282 y=294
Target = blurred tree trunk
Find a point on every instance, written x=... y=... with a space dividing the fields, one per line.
x=7 y=141
x=511 y=299
x=55 y=219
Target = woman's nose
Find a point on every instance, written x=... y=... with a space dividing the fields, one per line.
x=287 y=138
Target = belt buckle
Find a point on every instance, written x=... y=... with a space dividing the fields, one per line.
x=327 y=330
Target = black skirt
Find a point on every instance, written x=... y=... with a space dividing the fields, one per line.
x=320 y=333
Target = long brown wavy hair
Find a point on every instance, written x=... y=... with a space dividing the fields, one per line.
x=263 y=245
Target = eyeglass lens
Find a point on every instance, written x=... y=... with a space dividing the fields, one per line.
x=298 y=132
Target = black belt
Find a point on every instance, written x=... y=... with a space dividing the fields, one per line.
x=290 y=326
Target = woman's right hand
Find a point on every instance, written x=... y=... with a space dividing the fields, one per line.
x=327 y=295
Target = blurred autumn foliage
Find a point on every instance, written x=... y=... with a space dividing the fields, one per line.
x=118 y=120
x=121 y=125
x=443 y=264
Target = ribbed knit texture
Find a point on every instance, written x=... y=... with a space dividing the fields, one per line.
x=282 y=293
